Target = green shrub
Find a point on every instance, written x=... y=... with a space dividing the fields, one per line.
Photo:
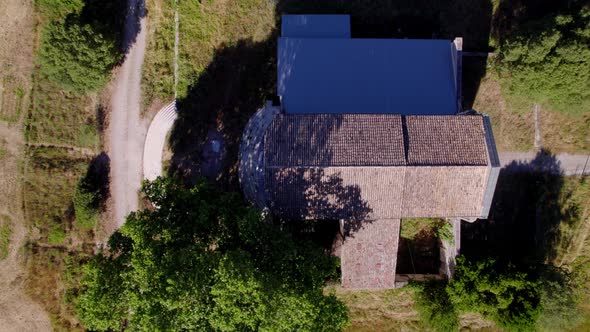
x=559 y=303
x=57 y=235
x=58 y=9
x=5 y=234
x=496 y=291
x=548 y=61
x=76 y=55
x=444 y=231
x=85 y=207
x=434 y=306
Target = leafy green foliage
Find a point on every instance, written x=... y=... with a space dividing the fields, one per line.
x=57 y=235
x=85 y=207
x=56 y=9
x=5 y=235
x=434 y=306
x=76 y=55
x=203 y=260
x=499 y=292
x=559 y=300
x=548 y=61
x=441 y=228
x=444 y=231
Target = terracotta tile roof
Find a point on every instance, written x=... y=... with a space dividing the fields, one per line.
x=335 y=140
x=335 y=192
x=369 y=257
x=444 y=191
x=324 y=166
x=445 y=140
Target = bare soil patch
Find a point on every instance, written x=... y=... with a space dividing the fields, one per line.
x=18 y=312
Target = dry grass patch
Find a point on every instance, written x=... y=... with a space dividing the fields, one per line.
x=54 y=275
x=513 y=128
x=60 y=117
x=513 y=122
x=379 y=310
x=51 y=177
x=565 y=133
x=204 y=27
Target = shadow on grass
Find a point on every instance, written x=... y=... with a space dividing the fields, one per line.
x=511 y=15
x=524 y=220
x=234 y=85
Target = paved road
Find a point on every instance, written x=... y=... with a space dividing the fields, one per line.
x=569 y=164
x=126 y=132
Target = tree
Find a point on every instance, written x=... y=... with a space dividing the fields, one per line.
x=76 y=55
x=496 y=291
x=203 y=260
x=547 y=60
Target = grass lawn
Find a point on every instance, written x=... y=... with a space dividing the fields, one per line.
x=61 y=117
x=60 y=130
x=5 y=234
x=383 y=310
x=513 y=122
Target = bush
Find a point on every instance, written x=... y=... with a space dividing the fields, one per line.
x=496 y=291
x=57 y=235
x=58 y=9
x=548 y=61
x=5 y=235
x=559 y=301
x=434 y=306
x=444 y=231
x=85 y=206
x=77 y=56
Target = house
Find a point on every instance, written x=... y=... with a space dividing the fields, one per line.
x=369 y=132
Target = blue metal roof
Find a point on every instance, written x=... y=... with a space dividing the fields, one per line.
x=401 y=76
x=316 y=26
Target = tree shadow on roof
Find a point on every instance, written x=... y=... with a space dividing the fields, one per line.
x=524 y=220
x=296 y=193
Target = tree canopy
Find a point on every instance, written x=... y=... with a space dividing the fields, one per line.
x=498 y=291
x=547 y=60
x=203 y=260
x=77 y=56
x=82 y=43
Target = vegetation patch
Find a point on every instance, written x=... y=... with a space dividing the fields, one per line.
x=546 y=60
x=3 y=150
x=204 y=260
x=204 y=27
x=379 y=310
x=158 y=67
x=61 y=117
x=5 y=235
x=12 y=98
x=78 y=51
x=441 y=228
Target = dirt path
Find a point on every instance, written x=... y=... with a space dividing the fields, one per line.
x=18 y=312
x=569 y=164
x=126 y=131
